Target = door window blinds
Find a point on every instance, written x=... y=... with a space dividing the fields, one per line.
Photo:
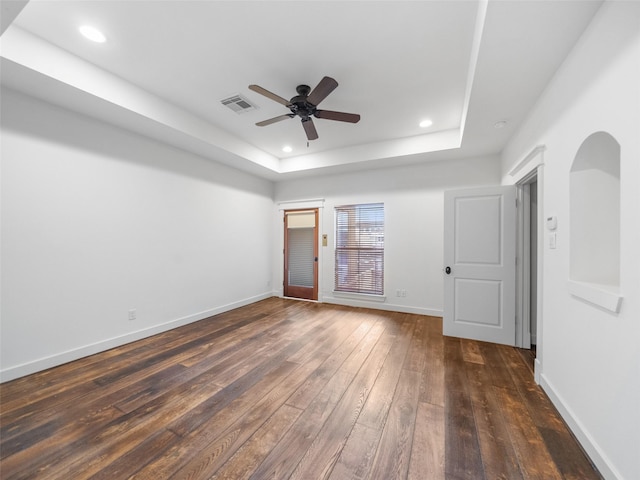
x=301 y=243
x=359 y=254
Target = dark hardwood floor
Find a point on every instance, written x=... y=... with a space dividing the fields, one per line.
x=285 y=389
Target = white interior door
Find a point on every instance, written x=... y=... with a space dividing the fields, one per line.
x=479 y=256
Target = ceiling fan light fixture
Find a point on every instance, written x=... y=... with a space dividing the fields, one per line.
x=92 y=33
x=426 y=123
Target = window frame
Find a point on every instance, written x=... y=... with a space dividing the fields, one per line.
x=359 y=244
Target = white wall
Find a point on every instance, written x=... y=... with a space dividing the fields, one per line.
x=413 y=203
x=97 y=221
x=590 y=356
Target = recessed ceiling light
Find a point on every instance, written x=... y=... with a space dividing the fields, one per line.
x=92 y=33
x=426 y=123
x=287 y=149
x=500 y=124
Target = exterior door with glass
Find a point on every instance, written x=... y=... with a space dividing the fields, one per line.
x=301 y=254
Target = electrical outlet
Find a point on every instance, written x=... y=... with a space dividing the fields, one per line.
x=132 y=314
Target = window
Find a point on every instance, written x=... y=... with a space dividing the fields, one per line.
x=360 y=249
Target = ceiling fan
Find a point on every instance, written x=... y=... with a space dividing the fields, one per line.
x=304 y=105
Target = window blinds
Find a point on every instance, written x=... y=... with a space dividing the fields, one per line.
x=360 y=249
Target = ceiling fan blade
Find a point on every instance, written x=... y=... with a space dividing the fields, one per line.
x=310 y=129
x=279 y=118
x=268 y=94
x=339 y=116
x=324 y=88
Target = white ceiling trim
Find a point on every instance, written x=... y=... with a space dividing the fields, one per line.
x=39 y=56
x=433 y=142
x=473 y=61
x=168 y=123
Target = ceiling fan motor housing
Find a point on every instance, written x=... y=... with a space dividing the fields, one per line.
x=299 y=104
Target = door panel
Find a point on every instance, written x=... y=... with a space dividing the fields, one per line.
x=301 y=254
x=477 y=240
x=479 y=254
x=477 y=302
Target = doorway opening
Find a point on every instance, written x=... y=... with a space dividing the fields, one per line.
x=533 y=262
x=528 y=266
x=301 y=254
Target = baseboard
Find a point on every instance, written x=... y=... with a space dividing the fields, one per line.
x=352 y=302
x=597 y=456
x=537 y=369
x=40 y=364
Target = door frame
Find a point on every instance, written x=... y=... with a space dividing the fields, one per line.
x=530 y=169
x=278 y=270
x=295 y=291
x=523 y=263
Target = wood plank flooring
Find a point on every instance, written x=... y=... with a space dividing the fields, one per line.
x=283 y=389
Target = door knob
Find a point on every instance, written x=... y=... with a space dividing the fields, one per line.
x=447 y=270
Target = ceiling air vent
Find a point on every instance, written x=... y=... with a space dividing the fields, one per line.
x=238 y=104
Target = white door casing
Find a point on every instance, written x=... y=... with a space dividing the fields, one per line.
x=479 y=256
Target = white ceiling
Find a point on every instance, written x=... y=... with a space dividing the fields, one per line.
x=167 y=64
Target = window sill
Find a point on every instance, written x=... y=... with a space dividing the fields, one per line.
x=360 y=296
x=605 y=296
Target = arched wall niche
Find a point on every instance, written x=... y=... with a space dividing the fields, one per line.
x=595 y=216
